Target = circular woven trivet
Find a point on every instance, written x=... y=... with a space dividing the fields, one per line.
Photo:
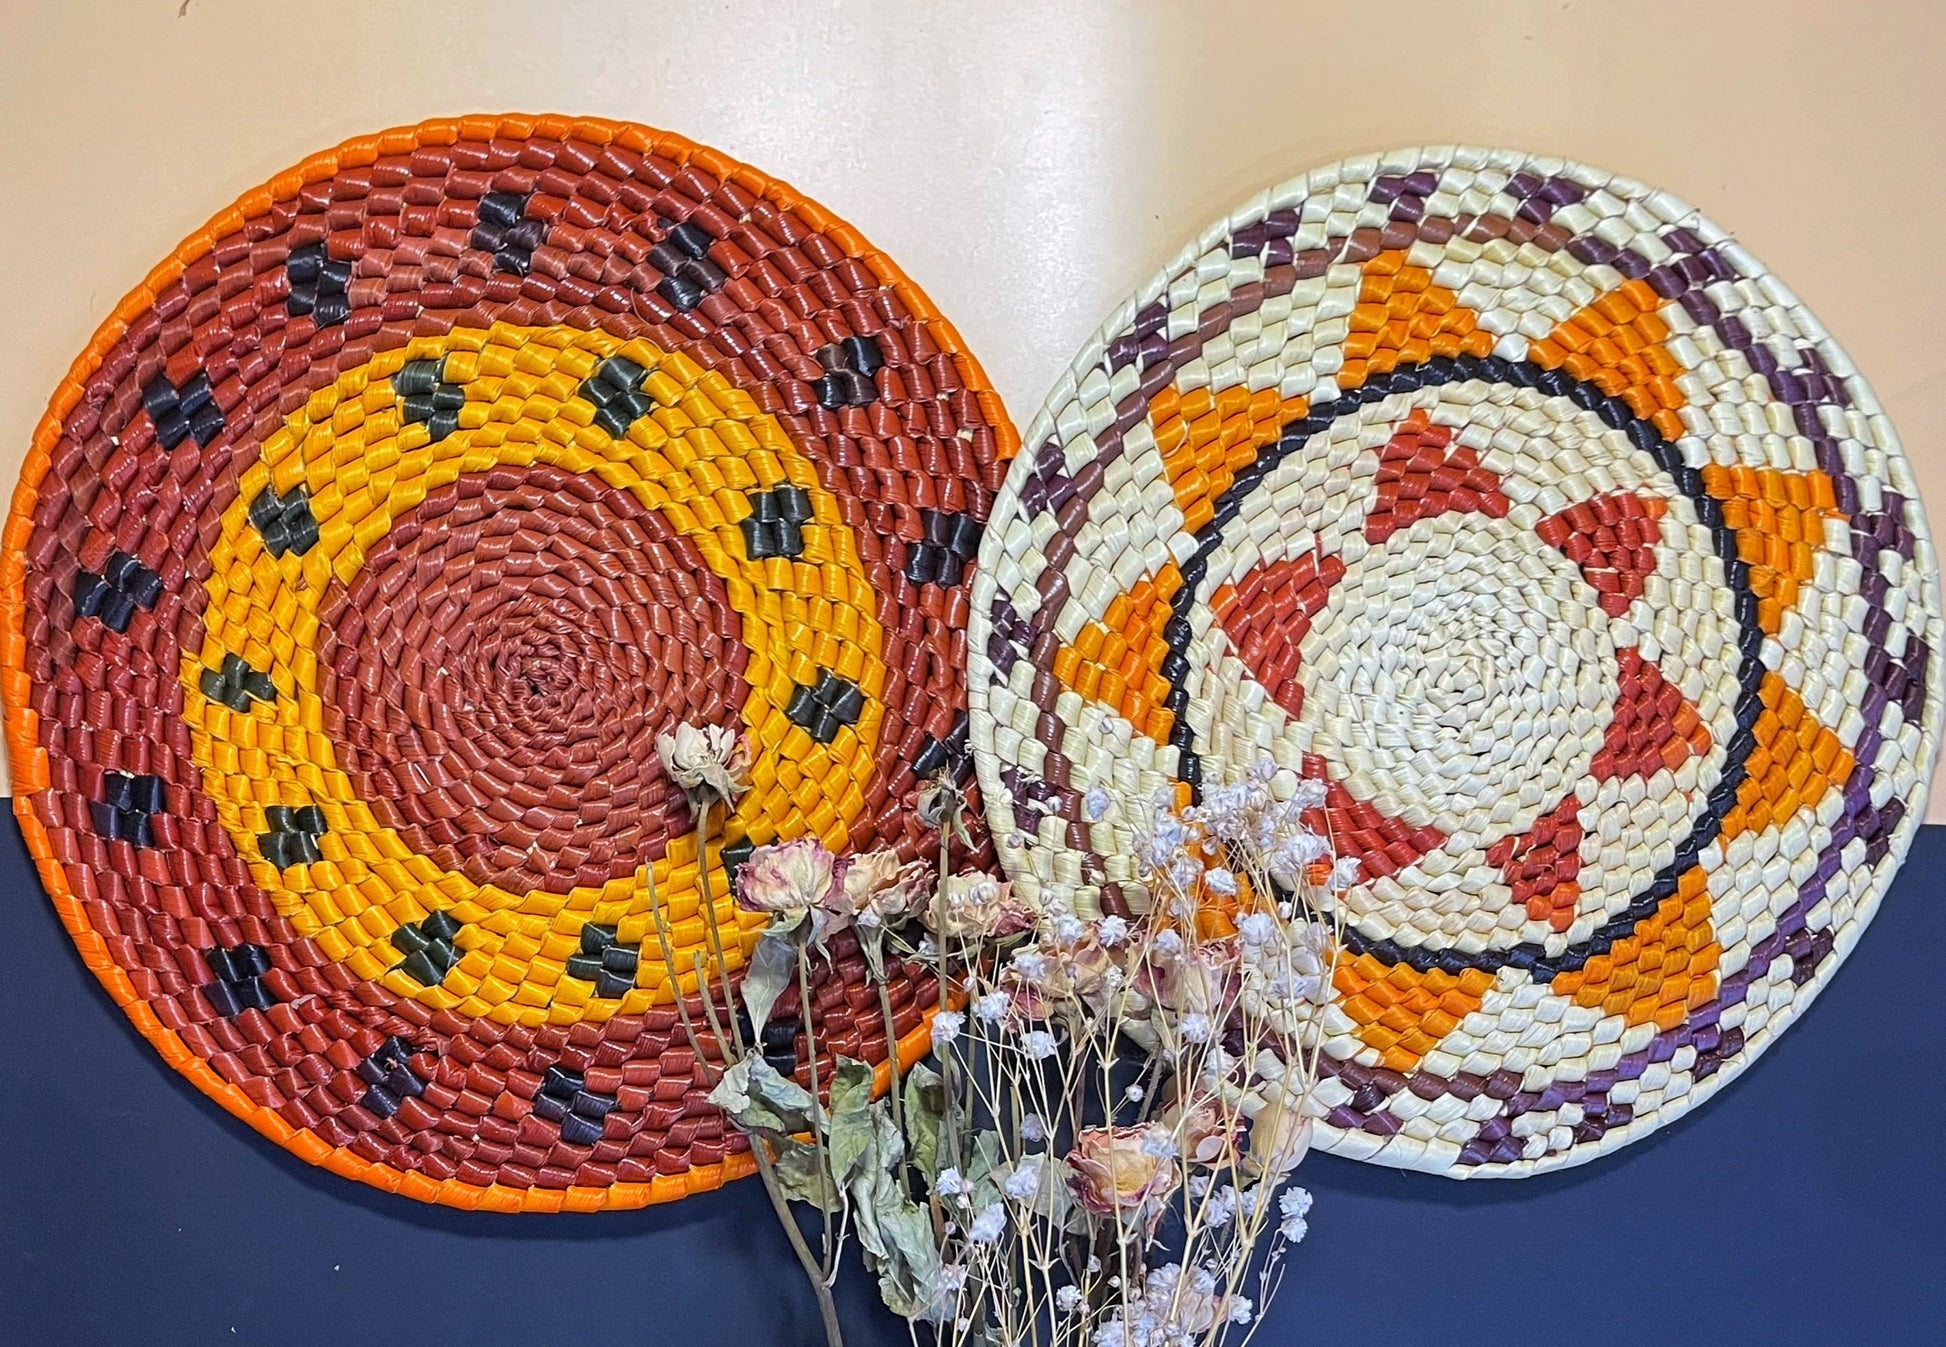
x=1522 y=507
x=358 y=565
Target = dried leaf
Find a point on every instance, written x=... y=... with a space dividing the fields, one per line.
x=771 y=965
x=852 y=1135
x=757 y=1099
x=894 y=1231
x=908 y=1275
x=984 y=1171
x=801 y=1175
x=925 y=1107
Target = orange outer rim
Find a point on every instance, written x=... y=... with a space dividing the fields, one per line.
x=29 y=760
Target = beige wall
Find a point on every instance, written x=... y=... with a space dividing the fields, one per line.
x=1029 y=165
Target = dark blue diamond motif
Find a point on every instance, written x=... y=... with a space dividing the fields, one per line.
x=616 y=390
x=285 y=521
x=775 y=525
x=848 y=369
x=293 y=836
x=180 y=411
x=238 y=985
x=391 y=1080
x=428 y=948
x=605 y=961
x=821 y=710
x=566 y=1099
x=123 y=586
x=505 y=231
x=237 y=685
x=319 y=283
x=950 y=543
x=128 y=801
x=688 y=275
x=427 y=399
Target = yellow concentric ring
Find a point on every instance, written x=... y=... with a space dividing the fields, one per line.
x=694 y=458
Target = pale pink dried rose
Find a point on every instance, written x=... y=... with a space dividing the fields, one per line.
x=879 y=888
x=705 y=760
x=1090 y=970
x=1200 y=981
x=1205 y=1132
x=1028 y=999
x=977 y=907
x=1280 y=1138
x=1121 y=1169
x=1016 y=914
x=791 y=877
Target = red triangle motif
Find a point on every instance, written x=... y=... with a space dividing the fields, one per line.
x=1654 y=728
x=1543 y=864
x=1421 y=475
x=1267 y=615
x=1382 y=845
x=1612 y=538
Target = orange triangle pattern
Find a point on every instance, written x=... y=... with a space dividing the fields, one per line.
x=1795 y=762
x=1403 y=318
x=1382 y=845
x=1206 y=439
x=1403 y=1012
x=1654 y=728
x=1617 y=343
x=1116 y=661
x=1779 y=522
x=1662 y=970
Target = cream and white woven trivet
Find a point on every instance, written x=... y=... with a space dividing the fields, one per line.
x=1520 y=505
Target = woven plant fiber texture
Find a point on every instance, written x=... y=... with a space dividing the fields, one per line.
x=1517 y=512
x=358 y=565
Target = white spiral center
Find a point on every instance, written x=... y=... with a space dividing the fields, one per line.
x=1461 y=676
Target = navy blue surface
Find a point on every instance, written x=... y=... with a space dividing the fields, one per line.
x=1801 y=1205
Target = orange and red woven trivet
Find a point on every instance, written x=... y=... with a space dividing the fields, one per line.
x=358 y=565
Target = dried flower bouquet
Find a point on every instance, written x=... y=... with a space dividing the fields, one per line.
x=1098 y=1151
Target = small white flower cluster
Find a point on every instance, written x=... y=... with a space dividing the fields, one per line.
x=1117 y=1100
x=1172 y=1308
x=1294 y=1206
x=987 y=1225
x=1165 y=1054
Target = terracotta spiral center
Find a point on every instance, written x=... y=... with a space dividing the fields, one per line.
x=502 y=665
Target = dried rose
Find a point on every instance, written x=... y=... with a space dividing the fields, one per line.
x=879 y=888
x=1093 y=971
x=1035 y=987
x=1030 y=999
x=1202 y=981
x=793 y=877
x=1280 y=1138
x=1126 y=1169
x=1204 y=1131
x=977 y=907
x=705 y=760
x=1016 y=914
x=937 y=800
